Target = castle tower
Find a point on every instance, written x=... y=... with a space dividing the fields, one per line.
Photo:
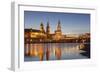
x=58 y=32
x=48 y=28
x=42 y=28
x=59 y=26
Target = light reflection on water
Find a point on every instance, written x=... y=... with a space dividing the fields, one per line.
x=53 y=51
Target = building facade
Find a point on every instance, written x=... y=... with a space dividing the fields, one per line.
x=43 y=34
x=58 y=32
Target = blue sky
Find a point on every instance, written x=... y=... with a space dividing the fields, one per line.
x=75 y=23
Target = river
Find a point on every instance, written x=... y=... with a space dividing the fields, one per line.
x=55 y=51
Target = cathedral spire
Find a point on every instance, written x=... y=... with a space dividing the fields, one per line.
x=58 y=32
x=48 y=28
x=59 y=26
x=59 y=22
x=42 y=27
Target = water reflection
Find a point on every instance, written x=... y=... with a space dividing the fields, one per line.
x=54 y=51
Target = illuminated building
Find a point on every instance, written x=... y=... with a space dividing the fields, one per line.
x=58 y=32
x=48 y=31
x=42 y=34
x=35 y=34
x=42 y=28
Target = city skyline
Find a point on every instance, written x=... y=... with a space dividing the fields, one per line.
x=74 y=23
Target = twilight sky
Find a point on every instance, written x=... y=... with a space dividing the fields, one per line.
x=75 y=23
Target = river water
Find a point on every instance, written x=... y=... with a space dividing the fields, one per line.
x=54 y=51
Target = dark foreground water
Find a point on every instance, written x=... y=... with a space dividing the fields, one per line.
x=56 y=51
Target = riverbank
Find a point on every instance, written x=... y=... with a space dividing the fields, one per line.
x=87 y=50
x=57 y=41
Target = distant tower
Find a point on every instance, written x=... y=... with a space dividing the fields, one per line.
x=58 y=32
x=42 y=28
x=48 y=28
x=58 y=26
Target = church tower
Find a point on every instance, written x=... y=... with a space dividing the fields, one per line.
x=58 y=32
x=48 y=30
x=59 y=26
x=42 y=28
